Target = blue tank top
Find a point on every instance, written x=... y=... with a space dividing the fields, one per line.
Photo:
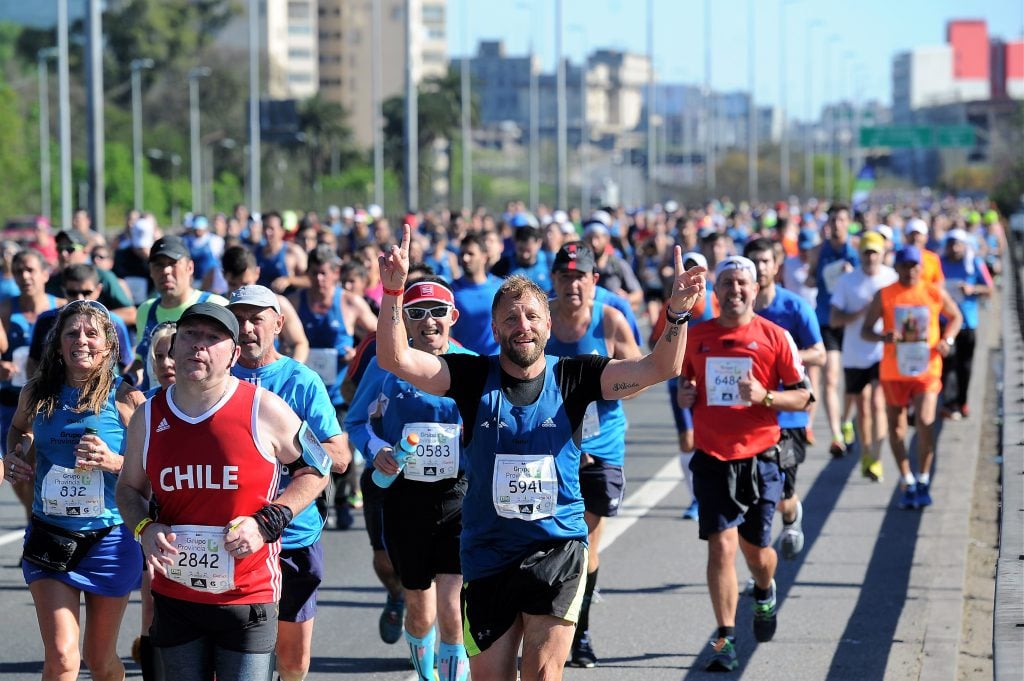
x=55 y=440
x=19 y=335
x=202 y=256
x=271 y=266
x=327 y=331
x=304 y=392
x=604 y=426
x=442 y=266
x=492 y=541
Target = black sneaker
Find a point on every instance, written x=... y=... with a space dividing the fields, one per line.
x=582 y=652
x=764 y=617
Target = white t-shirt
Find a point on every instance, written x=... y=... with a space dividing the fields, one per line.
x=794 y=278
x=853 y=291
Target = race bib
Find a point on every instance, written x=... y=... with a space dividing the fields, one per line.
x=324 y=361
x=73 y=492
x=912 y=358
x=831 y=273
x=203 y=563
x=591 y=422
x=437 y=454
x=953 y=288
x=722 y=380
x=525 y=487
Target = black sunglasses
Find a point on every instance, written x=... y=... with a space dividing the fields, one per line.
x=79 y=293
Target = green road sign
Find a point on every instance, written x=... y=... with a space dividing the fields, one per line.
x=917 y=136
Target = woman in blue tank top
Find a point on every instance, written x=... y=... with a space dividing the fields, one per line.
x=75 y=412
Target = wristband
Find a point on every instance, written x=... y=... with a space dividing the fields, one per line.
x=393 y=291
x=271 y=521
x=141 y=527
x=673 y=317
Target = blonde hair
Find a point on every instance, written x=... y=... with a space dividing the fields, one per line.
x=44 y=388
x=159 y=332
x=516 y=287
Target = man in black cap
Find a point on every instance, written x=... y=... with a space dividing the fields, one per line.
x=213 y=553
x=72 y=249
x=171 y=269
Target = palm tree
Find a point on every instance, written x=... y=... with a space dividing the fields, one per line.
x=323 y=126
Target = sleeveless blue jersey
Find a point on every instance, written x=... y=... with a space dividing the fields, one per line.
x=605 y=439
x=55 y=440
x=271 y=266
x=304 y=392
x=327 y=331
x=795 y=315
x=490 y=542
x=473 y=301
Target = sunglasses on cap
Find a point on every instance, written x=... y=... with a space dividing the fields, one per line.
x=419 y=313
x=83 y=302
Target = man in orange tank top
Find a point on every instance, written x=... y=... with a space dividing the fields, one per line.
x=911 y=368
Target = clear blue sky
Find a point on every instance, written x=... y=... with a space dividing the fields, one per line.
x=862 y=36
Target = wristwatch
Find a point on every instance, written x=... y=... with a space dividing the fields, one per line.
x=769 y=399
x=950 y=341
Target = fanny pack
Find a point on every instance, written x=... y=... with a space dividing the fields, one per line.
x=58 y=549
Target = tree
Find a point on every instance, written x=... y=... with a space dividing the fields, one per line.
x=323 y=124
x=20 y=194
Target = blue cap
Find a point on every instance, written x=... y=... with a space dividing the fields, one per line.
x=911 y=254
x=807 y=240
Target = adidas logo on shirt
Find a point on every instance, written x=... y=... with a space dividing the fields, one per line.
x=752 y=345
x=548 y=423
x=502 y=424
x=163 y=426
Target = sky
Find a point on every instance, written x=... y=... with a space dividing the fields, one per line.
x=855 y=40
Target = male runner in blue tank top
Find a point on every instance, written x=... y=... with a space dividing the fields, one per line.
x=523 y=516
x=258 y=312
x=580 y=326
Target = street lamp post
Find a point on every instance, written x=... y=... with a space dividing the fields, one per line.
x=255 y=133
x=784 y=137
x=709 y=105
x=42 y=60
x=63 y=87
x=584 y=130
x=175 y=161
x=533 y=115
x=752 y=106
x=809 y=132
x=650 y=195
x=562 y=135
x=375 y=90
x=467 y=105
x=194 y=150
x=137 y=66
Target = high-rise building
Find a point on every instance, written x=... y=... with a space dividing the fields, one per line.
x=346 y=53
x=969 y=40
x=1013 y=64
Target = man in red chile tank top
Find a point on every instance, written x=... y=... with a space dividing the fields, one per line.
x=208 y=450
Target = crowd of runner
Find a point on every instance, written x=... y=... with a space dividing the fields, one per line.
x=197 y=389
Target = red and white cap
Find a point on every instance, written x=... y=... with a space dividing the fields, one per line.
x=427 y=291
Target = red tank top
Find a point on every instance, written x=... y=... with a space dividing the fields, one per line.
x=206 y=471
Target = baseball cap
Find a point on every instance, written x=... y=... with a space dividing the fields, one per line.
x=426 y=291
x=200 y=222
x=958 y=235
x=736 y=262
x=256 y=295
x=872 y=241
x=671 y=206
x=213 y=312
x=807 y=239
x=696 y=258
x=595 y=227
x=917 y=225
x=885 y=231
x=73 y=235
x=574 y=257
x=602 y=216
x=527 y=232
x=171 y=246
x=911 y=254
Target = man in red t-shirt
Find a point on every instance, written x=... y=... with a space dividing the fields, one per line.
x=730 y=365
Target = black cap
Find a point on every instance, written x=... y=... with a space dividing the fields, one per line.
x=73 y=235
x=171 y=246
x=575 y=257
x=214 y=312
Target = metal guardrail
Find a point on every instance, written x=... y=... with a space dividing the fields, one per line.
x=1008 y=616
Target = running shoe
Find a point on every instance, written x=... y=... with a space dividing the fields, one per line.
x=792 y=541
x=343 y=517
x=965 y=411
x=849 y=435
x=838 y=448
x=764 y=617
x=908 y=498
x=871 y=468
x=748 y=588
x=391 y=620
x=924 y=497
x=355 y=500
x=692 y=511
x=582 y=652
x=951 y=413
x=809 y=435
x=723 y=659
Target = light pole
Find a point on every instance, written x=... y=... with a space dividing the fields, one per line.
x=42 y=60
x=809 y=132
x=175 y=161
x=375 y=90
x=412 y=147
x=63 y=88
x=650 y=195
x=137 y=66
x=709 y=105
x=784 y=137
x=194 y=150
x=830 y=127
x=467 y=106
x=752 y=106
x=534 y=116
x=584 y=129
x=562 y=134
x=255 y=134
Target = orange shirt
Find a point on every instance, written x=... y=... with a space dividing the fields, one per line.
x=914 y=312
x=931 y=268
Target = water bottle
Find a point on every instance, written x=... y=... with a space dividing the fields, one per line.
x=403 y=450
x=89 y=430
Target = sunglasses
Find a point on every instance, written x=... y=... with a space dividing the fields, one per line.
x=419 y=313
x=79 y=293
x=70 y=248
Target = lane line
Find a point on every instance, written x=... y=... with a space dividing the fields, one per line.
x=11 y=537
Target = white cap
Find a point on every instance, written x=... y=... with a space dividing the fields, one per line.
x=916 y=225
x=375 y=211
x=560 y=216
x=143 y=233
x=347 y=212
x=601 y=216
x=671 y=206
x=885 y=230
x=695 y=257
x=736 y=262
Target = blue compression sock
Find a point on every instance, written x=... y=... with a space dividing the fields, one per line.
x=422 y=652
x=453 y=663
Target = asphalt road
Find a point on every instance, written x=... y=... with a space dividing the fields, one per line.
x=875 y=594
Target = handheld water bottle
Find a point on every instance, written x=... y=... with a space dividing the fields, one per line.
x=403 y=450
